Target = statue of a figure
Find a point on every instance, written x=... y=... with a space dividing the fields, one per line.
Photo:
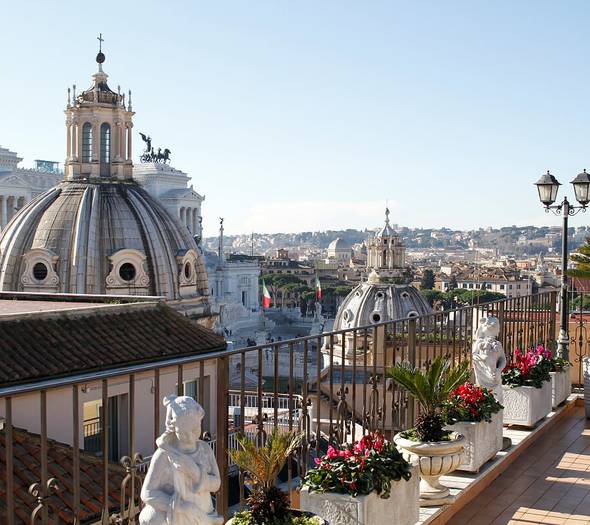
x=488 y=356
x=317 y=316
x=183 y=472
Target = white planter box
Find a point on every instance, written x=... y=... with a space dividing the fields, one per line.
x=586 y=365
x=526 y=405
x=401 y=508
x=483 y=441
x=561 y=387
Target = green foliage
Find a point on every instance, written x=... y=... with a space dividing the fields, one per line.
x=427 y=281
x=262 y=465
x=431 y=388
x=245 y=518
x=581 y=259
x=460 y=296
x=370 y=465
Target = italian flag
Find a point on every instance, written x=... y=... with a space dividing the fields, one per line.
x=265 y=296
x=318 y=289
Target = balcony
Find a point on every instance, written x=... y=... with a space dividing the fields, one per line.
x=57 y=464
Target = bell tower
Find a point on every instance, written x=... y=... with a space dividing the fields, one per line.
x=99 y=130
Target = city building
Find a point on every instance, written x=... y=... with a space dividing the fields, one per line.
x=339 y=251
x=18 y=186
x=385 y=252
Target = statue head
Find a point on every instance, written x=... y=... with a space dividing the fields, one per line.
x=488 y=327
x=183 y=422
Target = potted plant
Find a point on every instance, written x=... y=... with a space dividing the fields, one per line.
x=526 y=384
x=561 y=385
x=267 y=504
x=475 y=413
x=436 y=450
x=361 y=483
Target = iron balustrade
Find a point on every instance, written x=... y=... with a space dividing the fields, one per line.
x=331 y=387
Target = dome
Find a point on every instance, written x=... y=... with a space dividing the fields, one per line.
x=339 y=245
x=372 y=303
x=99 y=237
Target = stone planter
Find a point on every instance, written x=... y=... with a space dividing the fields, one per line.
x=434 y=460
x=561 y=387
x=526 y=405
x=296 y=512
x=401 y=508
x=483 y=441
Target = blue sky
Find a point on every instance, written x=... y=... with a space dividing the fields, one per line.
x=304 y=115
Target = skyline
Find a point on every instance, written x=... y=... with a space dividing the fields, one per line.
x=309 y=118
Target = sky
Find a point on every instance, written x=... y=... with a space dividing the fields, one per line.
x=311 y=115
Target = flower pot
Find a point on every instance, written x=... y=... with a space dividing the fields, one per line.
x=526 y=405
x=321 y=521
x=483 y=441
x=560 y=387
x=434 y=460
x=401 y=508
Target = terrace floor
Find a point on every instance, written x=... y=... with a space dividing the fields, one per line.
x=548 y=484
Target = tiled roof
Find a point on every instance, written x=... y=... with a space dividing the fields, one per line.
x=40 y=346
x=27 y=470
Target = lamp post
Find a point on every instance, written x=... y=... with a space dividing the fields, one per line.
x=548 y=187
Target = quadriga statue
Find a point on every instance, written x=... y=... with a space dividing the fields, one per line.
x=488 y=356
x=183 y=472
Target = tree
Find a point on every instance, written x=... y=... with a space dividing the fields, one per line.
x=427 y=282
x=581 y=258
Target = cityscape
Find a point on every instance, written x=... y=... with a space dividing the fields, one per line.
x=253 y=311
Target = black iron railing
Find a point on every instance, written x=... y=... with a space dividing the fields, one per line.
x=332 y=387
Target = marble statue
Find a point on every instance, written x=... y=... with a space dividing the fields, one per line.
x=488 y=356
x=183 y=472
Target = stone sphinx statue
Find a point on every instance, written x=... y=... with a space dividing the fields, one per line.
x=183 y=472
x=488 y=356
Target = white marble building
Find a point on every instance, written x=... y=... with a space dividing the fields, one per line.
x=18 y=186
x=170 y=187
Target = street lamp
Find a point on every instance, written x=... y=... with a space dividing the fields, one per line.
x=548 y=187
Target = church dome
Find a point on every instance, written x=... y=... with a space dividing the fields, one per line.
x=374 y=302
x=339 y=245
x=100 y=237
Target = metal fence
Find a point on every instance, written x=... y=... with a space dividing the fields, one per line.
x=332 y=387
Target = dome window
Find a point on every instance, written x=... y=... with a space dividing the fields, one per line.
x=412 y=314
x=348 y=315
x=405 y=295
x=380 y=295
x=87 y=142
x=188 y=270
x=127 y=272
x=40 y=271
x=376 y=317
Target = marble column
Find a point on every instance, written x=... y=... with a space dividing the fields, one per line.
x=3 y=218
x=129 y=141
x=182 y=215
x=69 y=141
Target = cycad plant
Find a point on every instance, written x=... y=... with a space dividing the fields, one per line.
x=431 y=388
x=262 y=465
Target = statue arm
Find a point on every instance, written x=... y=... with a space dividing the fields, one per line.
x=211 y=479
x=157 y=476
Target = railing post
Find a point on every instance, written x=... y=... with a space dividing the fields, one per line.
x=553 y=319
x=222 y=434
x=412 y=359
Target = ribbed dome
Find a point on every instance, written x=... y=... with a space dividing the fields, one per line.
x=371 y=303
x=339 y=245
x=100 y=237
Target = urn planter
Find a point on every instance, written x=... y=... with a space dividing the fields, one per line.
x=526 y=405
x=560 y=387
x=434 y=459
x=483 y=440
x=401 y=508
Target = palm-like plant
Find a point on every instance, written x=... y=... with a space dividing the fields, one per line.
x=262 y=465
x=431 y=388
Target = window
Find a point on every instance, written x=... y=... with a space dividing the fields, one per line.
x=127 y=272
x=105 y=150
x=40 y=271
x=87 y=142
x=188 y=270
x=501 y=287
x=376 y=317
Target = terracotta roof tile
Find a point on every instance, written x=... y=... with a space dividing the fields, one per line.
x=34 y=348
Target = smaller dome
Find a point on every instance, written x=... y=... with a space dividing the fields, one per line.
x=339 y=245
x=373 y=302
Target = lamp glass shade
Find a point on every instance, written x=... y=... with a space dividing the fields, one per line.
x=582 y=188
x=547 y=187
